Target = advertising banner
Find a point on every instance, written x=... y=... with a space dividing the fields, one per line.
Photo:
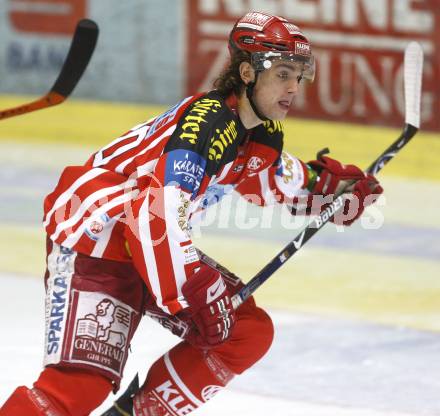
x=138 y=56
x=358 y=45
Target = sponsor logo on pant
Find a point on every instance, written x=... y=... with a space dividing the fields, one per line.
x=60 y=266
x=173 y=400
x=102 y=327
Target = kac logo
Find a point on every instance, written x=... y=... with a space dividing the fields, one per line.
x=255 y=163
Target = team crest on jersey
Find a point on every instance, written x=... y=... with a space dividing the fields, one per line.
x=255 y=163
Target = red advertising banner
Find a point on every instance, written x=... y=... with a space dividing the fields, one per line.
x=46 y=16
x=358 y=45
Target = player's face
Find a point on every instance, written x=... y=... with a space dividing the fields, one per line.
x=276 y=88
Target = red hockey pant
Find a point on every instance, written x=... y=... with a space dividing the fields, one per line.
x=112 y=290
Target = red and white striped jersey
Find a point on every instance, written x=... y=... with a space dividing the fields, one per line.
x=134 y=199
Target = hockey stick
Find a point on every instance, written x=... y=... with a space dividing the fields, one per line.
x=81 y=50
x=413 y=66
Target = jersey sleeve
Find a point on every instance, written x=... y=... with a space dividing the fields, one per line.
x=157 y=227
x=283 y=182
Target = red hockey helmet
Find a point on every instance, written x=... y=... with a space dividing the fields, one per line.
x=267 y=38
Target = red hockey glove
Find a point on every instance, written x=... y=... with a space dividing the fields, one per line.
x=333 y=177
x=210 y=308
x=365 y=192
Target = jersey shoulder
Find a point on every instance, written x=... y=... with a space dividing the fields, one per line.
x=210 y=128
x=198 y=121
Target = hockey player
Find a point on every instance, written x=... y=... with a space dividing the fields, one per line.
x=119 y=242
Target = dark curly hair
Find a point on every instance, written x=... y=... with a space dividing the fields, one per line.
x=229 y=80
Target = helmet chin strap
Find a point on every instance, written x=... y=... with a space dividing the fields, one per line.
x=250 y=95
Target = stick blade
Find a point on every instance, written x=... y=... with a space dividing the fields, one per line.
x=81 y=50
x=413 y=69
